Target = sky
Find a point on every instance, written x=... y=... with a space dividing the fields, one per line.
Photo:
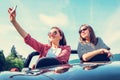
x=38 y=16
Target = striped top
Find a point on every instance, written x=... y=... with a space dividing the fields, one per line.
x=88 y=47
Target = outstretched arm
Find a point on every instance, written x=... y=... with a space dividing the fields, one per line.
x=20 y=30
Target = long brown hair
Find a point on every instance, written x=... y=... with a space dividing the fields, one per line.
x=93 y=38
x=63 y=40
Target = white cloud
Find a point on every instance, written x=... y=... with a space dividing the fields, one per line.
x=112 y=30
x=58 y=19
x=113 y=27
x=5 y=29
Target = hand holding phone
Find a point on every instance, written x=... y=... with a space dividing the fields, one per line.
x=13 y=10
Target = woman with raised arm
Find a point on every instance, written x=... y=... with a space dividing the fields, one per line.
x=90 y=47
x=57 y=48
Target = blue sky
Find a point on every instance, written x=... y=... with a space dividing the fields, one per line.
x=38 y=16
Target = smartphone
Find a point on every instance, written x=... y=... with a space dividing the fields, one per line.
x=14 y=8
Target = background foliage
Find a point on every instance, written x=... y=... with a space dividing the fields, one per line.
x=14 y=60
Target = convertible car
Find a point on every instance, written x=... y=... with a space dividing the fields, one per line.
x=74 y=70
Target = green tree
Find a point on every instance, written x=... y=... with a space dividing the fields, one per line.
x=13 y=52
x=2 y=61
x=14 y=60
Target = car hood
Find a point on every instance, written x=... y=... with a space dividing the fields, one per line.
x=77 y=71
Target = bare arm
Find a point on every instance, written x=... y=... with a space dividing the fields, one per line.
x=90 y=55
x=20 y=30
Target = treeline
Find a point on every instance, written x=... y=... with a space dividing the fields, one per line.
x=13 y=60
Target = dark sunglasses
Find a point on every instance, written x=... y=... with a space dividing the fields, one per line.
x=52 y=33
x=83 y=29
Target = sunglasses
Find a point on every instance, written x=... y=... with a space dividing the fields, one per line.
x=83 y=29
x=52 y=33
